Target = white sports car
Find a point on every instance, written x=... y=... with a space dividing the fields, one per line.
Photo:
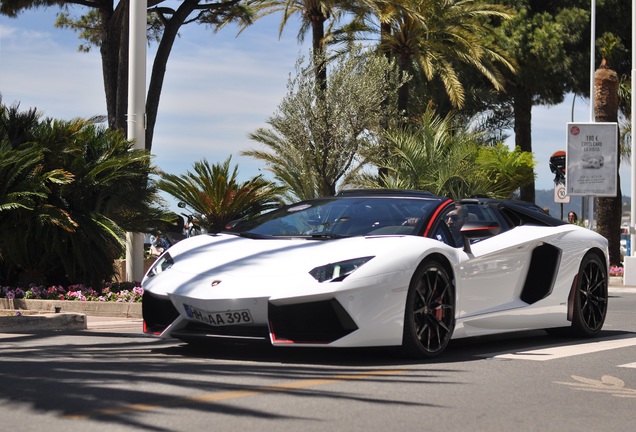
x=381 y=268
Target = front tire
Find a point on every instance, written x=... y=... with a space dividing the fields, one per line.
x=429 y=318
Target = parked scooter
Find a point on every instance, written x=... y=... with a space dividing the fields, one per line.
x=191 y=225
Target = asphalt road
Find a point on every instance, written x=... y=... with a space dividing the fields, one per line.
x=113 y=378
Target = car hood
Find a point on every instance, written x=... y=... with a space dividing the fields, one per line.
x=224 y=253
x=275 y=263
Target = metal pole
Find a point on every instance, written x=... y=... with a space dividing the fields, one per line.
x=629 y=263
x=632 y=230
x=136 y=120
x=592 y=57
x=632 y=225
x=590 y=207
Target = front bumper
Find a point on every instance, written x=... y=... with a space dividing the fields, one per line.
x=319 y=322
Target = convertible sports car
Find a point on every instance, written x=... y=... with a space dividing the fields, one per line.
x=381 y=268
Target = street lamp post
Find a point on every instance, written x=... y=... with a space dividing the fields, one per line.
x=136 y=120
x=632 y=224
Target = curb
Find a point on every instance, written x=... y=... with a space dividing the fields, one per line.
x=91 y=308
x=619 y=282
x=42 y=322
x=27 y=316
x=616 y=281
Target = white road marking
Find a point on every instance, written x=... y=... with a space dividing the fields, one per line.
x=629 y=365
x=607 y=384
x=570 y=350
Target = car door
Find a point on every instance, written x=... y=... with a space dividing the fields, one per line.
x=493 y=273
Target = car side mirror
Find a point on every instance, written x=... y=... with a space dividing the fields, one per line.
x=473 y=230
x=232 y=224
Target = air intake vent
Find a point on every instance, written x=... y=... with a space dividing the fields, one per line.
x=541 y=274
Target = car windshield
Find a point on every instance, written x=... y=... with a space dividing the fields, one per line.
x=341 y=217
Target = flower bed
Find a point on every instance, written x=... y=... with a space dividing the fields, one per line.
x=616 y=271
x=116 y=292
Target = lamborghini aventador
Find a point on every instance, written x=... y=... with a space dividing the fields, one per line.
x=381 y=268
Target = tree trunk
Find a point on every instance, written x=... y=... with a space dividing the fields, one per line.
x=523 y=133
x=317 y=39
x=158 y=74
x=609 y=210
x=403 y=91
x=383 y=172
x=121 y=97
x=110 y=51
x=114 y=55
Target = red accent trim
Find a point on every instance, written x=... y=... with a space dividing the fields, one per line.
x=481 y=228
x=145 y=330
x=433 y=218
x=289 y=341
x=272 y=334
x=572 y=297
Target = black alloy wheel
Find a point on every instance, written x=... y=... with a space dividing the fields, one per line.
x=429 y=317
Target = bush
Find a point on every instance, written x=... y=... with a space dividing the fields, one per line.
x=69 y=191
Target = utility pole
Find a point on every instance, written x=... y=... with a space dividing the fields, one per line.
x=136 y=119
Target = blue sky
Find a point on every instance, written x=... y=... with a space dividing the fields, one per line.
x=218 y=89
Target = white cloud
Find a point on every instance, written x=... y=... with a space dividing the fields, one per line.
x=38 y=72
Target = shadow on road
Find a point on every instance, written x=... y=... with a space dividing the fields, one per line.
x=113 y=378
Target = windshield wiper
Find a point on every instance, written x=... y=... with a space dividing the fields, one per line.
x=326 y=236
x=317 y=236
x=247 y=234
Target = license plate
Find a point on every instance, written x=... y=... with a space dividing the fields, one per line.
x=224 y=318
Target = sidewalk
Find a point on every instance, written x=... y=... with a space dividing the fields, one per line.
x=108 y=324
x=44 y=323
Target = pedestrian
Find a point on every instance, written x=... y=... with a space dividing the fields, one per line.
x=159 y=245
x=572 y=217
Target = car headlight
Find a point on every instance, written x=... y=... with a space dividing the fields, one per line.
x=336 y=272
x=164 y=262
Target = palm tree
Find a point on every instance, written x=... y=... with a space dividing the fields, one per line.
x=23 y=182
x=314 y=14
x=434 y=38
x=96 y=187
x=289 y=165
x=445 y=159
x=110 y=195
x=606 y=106
x=24 y=186
x=214 y=192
